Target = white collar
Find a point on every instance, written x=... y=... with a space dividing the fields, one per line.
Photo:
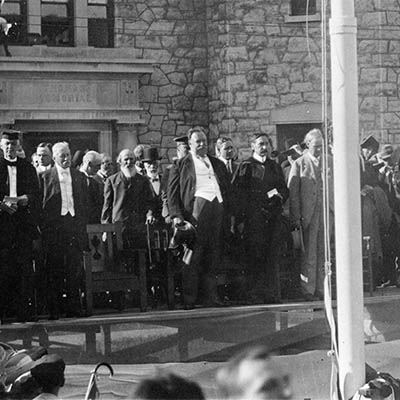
x=315 y=160
x=259 y=158
x=198 y=157
x=61 y=170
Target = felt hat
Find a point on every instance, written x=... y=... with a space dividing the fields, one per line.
x=369 y=142
x=150 y=154
x=10 y=134
x=181 y=140
x=387 y=152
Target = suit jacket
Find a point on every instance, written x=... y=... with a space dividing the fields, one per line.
x=95 y=200
x=251 y=184
x=26 y=219
x=124 y=199
x=182 y=185
x=303 y=189
x=51 y=200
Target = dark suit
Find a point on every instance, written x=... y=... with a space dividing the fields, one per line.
x=64 y=239
x=17 y=231
x=95 y=200
x=128 y=201
x=261 y=215
x=207 y=217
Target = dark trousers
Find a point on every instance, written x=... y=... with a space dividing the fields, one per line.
x=263 y=242
x=64 y=268
x=207 y=218
x=16 y=287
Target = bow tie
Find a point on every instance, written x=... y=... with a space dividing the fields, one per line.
x=10 y=163
x=154 y=179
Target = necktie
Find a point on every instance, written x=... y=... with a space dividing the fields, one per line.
x=10 y=163
x=229 y=166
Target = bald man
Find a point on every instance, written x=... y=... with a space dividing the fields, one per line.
x=128 y=199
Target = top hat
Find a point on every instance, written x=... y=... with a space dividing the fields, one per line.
x=370 y=142
x=184 y=233
x=150 y=154
x=181 y=140
x=10 y=134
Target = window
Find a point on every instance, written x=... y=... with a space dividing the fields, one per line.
x=100 y=23
x=15 y=12
x=57 y=22
x=302 y=10
x=303 y=7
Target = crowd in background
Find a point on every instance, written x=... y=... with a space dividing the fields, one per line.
x=226 y=212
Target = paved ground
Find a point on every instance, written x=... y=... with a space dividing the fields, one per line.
x=195 y=343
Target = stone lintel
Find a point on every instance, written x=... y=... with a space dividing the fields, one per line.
x=297 y=113
x=75 y=65
x=127 y=117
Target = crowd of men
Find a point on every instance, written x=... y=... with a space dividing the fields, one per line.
x=239 y=210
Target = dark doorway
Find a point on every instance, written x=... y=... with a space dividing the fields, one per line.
x=293 y=132
x=77 y=140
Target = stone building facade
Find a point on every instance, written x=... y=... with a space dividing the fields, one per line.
x=239 y=66
x=234 y=66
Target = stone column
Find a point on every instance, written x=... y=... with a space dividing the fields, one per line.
x=80 y=23
x=34 y=16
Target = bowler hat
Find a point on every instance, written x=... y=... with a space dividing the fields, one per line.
x=387 y=152
x=181 y=139
x=370 y=142
x=150 y=154
x=10 y=134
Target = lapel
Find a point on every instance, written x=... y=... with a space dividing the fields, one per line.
x=191 y=172
x=121 y=180
x=54 y=181
x=309 y=167
x=215 y=166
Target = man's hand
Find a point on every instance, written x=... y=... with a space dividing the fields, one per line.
x=150 y=219
x=178 y=221
x=23 y=200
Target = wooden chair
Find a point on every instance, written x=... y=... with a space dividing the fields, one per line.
x=109 y=267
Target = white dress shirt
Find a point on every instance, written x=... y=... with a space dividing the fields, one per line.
x=155 y=182
x=12 y=179
x=206 y=183
x=67 y=198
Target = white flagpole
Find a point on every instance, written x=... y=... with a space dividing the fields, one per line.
x=343 y=33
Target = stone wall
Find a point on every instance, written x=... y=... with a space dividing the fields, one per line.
x=267 y=64
x=230 y=64
x=172 y=33
x=379 y=68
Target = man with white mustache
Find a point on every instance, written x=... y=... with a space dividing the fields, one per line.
x=128 y=199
